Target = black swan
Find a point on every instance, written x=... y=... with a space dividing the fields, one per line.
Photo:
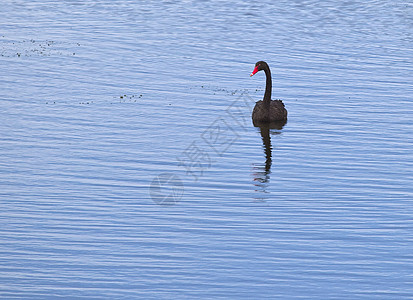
x=267 y=110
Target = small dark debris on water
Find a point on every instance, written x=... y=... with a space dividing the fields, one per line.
x=31 y=47
x=132 y=98
x=221 y=90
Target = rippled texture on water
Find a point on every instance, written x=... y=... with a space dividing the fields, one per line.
x=130 y=168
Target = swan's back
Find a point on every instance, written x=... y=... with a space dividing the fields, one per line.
x=276 y=112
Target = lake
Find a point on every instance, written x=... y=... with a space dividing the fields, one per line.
x=130 y=167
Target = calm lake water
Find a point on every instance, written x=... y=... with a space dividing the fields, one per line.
x=130 y=168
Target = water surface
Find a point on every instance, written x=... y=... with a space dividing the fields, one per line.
x=130 y=168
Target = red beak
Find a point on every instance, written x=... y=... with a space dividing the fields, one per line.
x=255 y=71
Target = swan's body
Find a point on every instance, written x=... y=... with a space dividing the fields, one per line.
x=273 y=112
x=267 y=110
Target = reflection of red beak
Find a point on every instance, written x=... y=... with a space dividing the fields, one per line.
x=255 y=71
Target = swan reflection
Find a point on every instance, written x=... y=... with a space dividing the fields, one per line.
x=261 y=172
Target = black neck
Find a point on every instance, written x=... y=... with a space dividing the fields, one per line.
x=268 y=85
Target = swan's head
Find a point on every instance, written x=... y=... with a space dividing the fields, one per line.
x=260 y=65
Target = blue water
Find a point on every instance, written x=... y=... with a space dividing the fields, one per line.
x=130 y=168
